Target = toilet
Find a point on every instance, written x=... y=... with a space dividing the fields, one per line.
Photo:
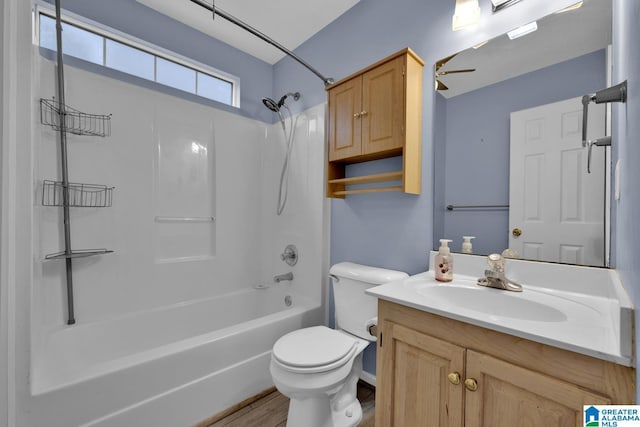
x=318 y=368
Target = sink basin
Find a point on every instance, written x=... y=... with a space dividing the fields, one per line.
x=580 y=309
x=494 y=302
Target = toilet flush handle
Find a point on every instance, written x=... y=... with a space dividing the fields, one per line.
x=334 y=278
x=373 y=330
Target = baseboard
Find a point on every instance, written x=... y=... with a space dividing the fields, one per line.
x=368 y=378
x=225 y=413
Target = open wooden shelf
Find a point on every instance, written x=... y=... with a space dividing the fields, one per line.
x=338 y=186
x=368 y=179
x=368 y=190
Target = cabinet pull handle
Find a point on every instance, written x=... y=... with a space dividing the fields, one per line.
x=356 y=115
x=471 y=384
x=454 y=378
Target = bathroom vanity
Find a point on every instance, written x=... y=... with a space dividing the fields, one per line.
x=459 y=354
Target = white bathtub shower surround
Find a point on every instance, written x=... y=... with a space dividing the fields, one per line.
x=83 y=352
x=170 y=327
x=298 y=222
x=171 y=366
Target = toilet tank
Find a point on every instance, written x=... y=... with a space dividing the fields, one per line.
x=353 y=308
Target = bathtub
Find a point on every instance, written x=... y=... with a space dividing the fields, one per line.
x=173 y=366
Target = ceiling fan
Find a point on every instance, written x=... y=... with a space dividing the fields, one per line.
x=441 y=63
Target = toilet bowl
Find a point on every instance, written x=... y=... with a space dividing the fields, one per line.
x=318 y=368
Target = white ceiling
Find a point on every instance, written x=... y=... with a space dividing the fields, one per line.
x=559 y=37
x=288 y=22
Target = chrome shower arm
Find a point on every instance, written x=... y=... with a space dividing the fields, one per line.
x=217 y=11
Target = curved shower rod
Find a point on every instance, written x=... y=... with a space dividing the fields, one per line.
x=217 y=11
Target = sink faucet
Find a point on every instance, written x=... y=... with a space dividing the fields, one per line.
x=280 y=277
x=495 y=277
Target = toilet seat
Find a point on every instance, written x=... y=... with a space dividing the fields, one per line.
x=313 y=350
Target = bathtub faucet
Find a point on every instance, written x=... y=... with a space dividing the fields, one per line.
x=280 y=277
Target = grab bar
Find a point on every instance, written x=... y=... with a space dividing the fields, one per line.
x=617 y=93
x=185 y=218
x=453 y=207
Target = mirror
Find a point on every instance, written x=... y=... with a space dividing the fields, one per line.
x=521 y=92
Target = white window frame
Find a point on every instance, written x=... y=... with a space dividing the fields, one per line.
x=105 y=31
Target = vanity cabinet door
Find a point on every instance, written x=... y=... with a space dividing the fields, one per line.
x=508 y=395
x=420 y=380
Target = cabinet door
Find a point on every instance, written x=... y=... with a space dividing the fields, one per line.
x=509 y=395
x=383 y=112
x=345 y=104
x=413 y=380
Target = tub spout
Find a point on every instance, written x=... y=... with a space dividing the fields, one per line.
x=280 y=277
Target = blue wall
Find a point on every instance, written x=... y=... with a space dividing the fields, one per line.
x=626 y=137
x=480 y=149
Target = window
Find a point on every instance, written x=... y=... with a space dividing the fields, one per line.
x=129 y=56
x=175 y=75
x=129 y=60
x=213 y=88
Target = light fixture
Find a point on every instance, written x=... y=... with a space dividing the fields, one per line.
x=497 y=5
x=479 y=45
x=467 y=14
x=570 y=8
x=524 y=30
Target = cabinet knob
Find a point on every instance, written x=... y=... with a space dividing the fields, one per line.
x=356 y=115
x=454 y=378
x=471 y=384
x=363 y=113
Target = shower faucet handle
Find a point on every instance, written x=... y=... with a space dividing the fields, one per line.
x=290 y=255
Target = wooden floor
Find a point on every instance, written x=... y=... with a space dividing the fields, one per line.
x=271 y=411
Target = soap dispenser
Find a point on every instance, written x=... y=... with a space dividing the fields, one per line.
x=466 y=244
x=444 y=262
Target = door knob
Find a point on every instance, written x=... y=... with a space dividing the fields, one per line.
x=454 y=378
x=516 y=232
x=471 y=384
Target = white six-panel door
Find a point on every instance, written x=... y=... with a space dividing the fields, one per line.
x=555 y=204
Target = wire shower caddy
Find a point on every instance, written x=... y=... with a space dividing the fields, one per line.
x=75 y=121
x=79 y=195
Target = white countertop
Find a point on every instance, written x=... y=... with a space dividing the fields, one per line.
x=581 y=309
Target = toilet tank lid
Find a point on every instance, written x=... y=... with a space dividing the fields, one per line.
x=365 y=273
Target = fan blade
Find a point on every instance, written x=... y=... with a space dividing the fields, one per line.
x=467 y=70
x=441 y=86
x=441 y=62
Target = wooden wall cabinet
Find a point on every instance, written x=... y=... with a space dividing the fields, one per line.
x=374 y=114
x=434 y=371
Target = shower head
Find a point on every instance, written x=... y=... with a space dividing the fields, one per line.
x=271 y=104
x=275 y=106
